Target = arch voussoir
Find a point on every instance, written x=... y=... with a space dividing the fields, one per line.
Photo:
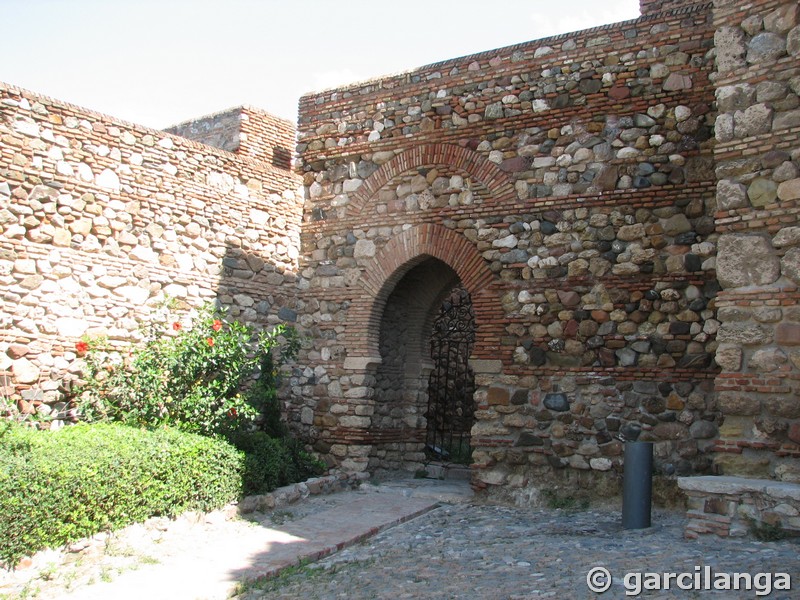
x=483 y=170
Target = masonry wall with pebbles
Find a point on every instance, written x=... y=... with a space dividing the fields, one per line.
x=101 y=220
x=569 y=184
x=757 y=154
x=620 y=203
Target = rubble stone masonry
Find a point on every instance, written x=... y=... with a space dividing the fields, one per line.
x=102 y=219
x=620 y=203
x=569 y=183
x=584 y=191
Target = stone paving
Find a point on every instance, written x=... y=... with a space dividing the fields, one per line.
x=471 y=551
x=455 y=548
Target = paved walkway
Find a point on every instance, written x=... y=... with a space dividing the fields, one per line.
x=419 y=539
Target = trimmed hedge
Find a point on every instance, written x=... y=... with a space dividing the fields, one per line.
x=271 y=462
x=57 y=487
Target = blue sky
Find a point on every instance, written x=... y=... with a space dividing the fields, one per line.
x=158 y=62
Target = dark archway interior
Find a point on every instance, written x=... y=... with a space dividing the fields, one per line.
x=402 y=379
x=450 y=412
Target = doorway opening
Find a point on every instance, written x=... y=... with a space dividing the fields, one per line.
x=424 y=388
x=451 y=385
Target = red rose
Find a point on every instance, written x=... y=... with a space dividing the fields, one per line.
x=210 y=341
x=82 y=347
x=217 y=325
x=176 y=326
x=232 y=412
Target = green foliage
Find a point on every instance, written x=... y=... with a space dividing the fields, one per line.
x=271 y=462
x=187 y=375
x=60 y=486
x=767 y=532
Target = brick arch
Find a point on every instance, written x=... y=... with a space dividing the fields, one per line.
x=427 y=155
x=401 y=254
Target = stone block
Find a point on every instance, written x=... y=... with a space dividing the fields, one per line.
x=744 y=260
x=742 y=465
x=789 y=190
x=787 y=334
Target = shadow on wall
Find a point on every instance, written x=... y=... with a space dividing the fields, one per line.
x=281 y=158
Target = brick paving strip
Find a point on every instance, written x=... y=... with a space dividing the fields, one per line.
x=233 y=553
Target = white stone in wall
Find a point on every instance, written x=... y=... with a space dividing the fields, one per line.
x=351 y=185
x=25 y=265
x=25 y=371
x=175 y=290
x=108 y=180
x=509 y=241
x=111 y=282
x=70 y=327
x=627 y=153
x=364 y=249
x=259 y=217
x=85 y=172
x=28 y=128
x=143 y=253
x=221 y=181
x=133 y=294
x=185 y=262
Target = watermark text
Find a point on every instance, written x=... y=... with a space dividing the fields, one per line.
x=600 y=579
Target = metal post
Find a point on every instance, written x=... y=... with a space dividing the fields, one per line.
x=637 y=485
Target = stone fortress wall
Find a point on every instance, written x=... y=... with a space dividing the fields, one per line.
x=102 y=219
x=620 y=202
x=576 y=174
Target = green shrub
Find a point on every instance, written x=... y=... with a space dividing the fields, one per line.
x=271 y=462
x=57 y=487
x=189 y=375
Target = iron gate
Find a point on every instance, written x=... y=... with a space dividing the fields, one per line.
x=451 y=385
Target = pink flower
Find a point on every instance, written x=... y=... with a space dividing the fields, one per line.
x=217 y=325
x=176 y=326
x=210 y=341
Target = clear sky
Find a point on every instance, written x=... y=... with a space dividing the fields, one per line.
x=159 y=62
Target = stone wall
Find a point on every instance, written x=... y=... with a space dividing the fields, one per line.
x=620 y=203
x=758 y=165
x=100 y=220
x=246 y=131
x=221 y=130
x=735 y=506
x=569 y=183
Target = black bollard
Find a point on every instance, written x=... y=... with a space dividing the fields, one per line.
x=637 y=491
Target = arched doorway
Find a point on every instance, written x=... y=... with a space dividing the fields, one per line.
x=423 y=384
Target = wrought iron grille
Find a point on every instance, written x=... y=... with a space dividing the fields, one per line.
x=451 y=386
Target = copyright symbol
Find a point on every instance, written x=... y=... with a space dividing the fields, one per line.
x=598 y=580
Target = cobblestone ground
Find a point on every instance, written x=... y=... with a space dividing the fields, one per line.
x=476 y=552
x=456 y=551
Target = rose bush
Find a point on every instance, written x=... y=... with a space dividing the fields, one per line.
x=192 y=374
